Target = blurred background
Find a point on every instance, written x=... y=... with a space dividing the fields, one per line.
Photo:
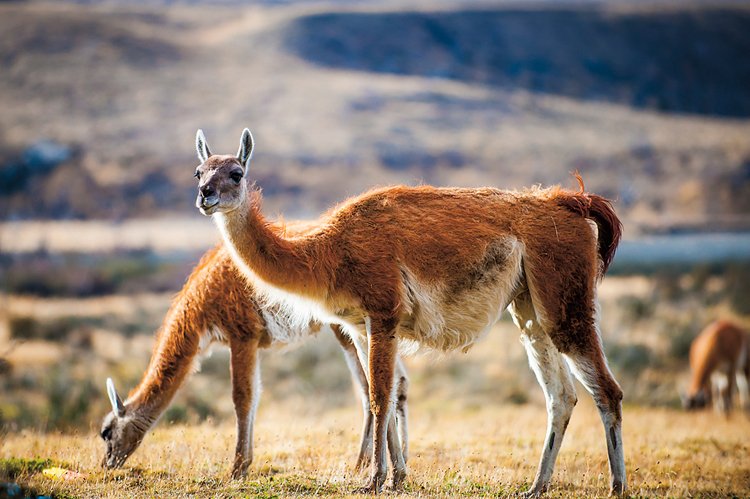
x=100 y=101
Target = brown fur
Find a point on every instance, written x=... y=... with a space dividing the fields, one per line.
x=353 y=264
x=216 y=296
x=419 y=226
x=721 y=346
x=601 y=212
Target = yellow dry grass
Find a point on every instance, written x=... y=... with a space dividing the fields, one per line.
x=488 y=451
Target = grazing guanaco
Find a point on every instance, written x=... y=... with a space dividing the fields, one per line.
x=216 y=305
x=719 y=358
x=436 y=267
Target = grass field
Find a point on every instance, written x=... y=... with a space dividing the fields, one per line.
x=505 y=94
x=486 y=451
x=477 y=419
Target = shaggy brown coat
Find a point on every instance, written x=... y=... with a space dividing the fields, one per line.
x=216 y=304
x=436 y=266
x=721 y=348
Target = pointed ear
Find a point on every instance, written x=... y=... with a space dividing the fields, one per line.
x=201 y=146
x=246 y=148
x=117 y=406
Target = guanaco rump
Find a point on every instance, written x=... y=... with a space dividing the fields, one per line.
x=436 y=267
x=719 y=358
x=216 y=305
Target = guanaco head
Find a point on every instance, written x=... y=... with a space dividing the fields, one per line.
x=122 y=430
x=697 y=400
x=221 y=184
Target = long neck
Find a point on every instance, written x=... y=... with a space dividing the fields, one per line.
x=171 y=361
x=701 y=374
x=294 y=265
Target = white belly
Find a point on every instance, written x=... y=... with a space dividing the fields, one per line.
x=284 y=330
x=439 y=319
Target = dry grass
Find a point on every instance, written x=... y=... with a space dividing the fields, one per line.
x=489 y=451
x=466 y=439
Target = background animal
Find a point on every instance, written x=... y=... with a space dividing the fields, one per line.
x=437 y=267
x=217 y=305
x=719 y=362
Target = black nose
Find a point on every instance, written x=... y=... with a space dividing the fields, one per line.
x=207 y=191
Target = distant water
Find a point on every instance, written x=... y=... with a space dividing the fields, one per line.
x=684 y=249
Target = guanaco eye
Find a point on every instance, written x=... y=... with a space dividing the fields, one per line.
x=197 y=174
x=236 y=176
x=106 y=433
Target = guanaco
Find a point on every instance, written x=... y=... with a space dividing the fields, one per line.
x=436 y=267
x=216 y=305
x=719 y=358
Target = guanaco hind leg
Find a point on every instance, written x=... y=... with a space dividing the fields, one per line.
x=556 y=381
x=742 y=390
x=729 y=394
x=590 y=367
x=722 y=382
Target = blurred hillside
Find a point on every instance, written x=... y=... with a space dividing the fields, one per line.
x=101 y=103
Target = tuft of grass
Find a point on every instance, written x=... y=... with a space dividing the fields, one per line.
x=12 y=468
